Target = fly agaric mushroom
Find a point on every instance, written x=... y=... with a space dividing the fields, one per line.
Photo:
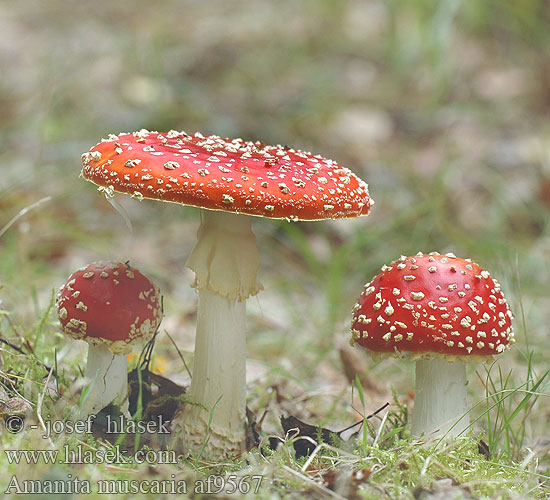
x=112 y=306
x=231 y=178
x=443 y=311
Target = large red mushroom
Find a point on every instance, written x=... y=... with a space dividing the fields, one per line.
x=442 y=311
x=111 y=306
x=230 y=178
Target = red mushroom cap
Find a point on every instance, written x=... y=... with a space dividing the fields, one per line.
x=224 y=174
x=109 y=303
x=433 y=305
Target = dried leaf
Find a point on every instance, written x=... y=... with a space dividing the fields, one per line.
x=253 y=429
x=14 y=406
x=153 y=387
x=345 y=482
x=483 y=449
x=304 y=447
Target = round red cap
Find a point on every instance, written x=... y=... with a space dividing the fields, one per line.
x=109 y=303
x=433 y=304
x=226 y=174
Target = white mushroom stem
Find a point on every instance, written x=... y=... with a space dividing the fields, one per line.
x=225 y=261
x=107 y=374
x=219 y=379
x=440 y=398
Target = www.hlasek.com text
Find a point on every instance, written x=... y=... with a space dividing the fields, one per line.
x=82 y=454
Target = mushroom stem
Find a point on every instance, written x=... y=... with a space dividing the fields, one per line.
x=440 y=398
x=219 y=379
x=108 y=376
x=225 y=260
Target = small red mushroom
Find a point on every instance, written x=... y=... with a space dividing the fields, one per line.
x=442 y=311
x=112 y=306
x=228 y=179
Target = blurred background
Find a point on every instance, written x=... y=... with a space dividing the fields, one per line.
x=442 y=106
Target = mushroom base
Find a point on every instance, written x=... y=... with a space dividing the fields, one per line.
x=212 y=423
x=108 y=376
x=440 y=399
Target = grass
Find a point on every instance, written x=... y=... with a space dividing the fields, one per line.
x=502 y=407
x=441 y=106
